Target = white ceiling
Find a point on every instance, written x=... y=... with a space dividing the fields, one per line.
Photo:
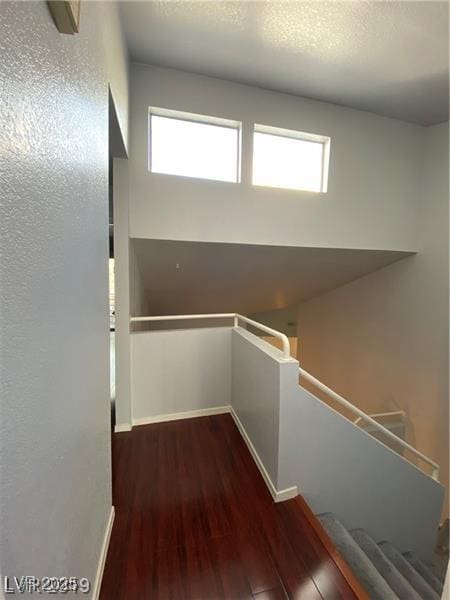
x=213 y=277
x=387 y=57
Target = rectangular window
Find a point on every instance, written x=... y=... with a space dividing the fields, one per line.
x=290 y=159
x=194 y=146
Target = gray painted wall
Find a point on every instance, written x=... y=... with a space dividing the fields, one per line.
x=336 y=466
x=382 y=340
x=54 y=420
x=373 y=188
x=122 y=288
x=340 y=468
x=180 y=370
x=255 y=394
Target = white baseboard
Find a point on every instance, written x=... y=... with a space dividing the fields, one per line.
x=286 y=494
x=102 y=559
x=277 y=495
x=122 y=427
x=203 y=412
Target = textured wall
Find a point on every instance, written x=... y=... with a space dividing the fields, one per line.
x=54 y=422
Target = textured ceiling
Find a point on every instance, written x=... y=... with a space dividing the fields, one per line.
x=390 y=57
x=213 y=277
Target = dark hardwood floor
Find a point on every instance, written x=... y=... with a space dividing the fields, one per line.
x=195 y=521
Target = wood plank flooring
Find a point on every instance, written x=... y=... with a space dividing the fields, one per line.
x=195 y=521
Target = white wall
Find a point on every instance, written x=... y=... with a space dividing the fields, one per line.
x=55 y=415
x=179 y=371
x=382 y=341
x=373 y=189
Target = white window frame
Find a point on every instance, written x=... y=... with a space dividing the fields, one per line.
x=324 y=140
x=196 y=118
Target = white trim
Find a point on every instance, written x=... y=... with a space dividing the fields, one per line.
x=179 y=115
x=203 y=412
x=446 y=591
x=122 y=427
x=278 y=496
x=291 y=133
x=102 y=558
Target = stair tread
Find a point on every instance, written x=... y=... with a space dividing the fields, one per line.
x=399 y=584
x=425 y=591
x=364 y=570
x=424 y=571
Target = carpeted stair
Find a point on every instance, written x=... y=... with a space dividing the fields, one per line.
x=382 y=570
x=426 y=573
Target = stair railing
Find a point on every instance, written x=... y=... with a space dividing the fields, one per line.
x=363 y=416
x=287 y=356
x=383 y=415
x=236 y=319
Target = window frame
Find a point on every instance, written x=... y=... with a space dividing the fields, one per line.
x=323 y=140
x=177 y=115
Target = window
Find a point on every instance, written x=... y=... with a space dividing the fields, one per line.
x=194 y=146
x=290 y=159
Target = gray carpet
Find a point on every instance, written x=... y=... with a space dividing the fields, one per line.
x=385 y=568
x=425 y=571
x=381 y=569
x=364 y=570
x=425 y=591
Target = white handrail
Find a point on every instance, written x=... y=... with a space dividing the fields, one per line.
x=376 y=425
x=235 y=316
x=394 y=413
x=281 y=336
x=182 y=317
